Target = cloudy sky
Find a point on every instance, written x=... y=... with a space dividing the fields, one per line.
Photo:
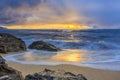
x=97 y=13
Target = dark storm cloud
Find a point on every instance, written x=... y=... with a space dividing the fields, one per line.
x=7 y=9
x=27 y=11
x=100 y=13
x=17 y=3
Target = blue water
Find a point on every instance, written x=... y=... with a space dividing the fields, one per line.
x=92 y=48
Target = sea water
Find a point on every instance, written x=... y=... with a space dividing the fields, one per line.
x=98 y=48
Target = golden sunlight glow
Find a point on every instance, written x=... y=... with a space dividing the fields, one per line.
x=71 y=56
x=49 y=26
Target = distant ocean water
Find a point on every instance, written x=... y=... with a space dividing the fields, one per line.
x=98 y=48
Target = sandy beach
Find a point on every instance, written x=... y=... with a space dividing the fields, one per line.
x=89 y=73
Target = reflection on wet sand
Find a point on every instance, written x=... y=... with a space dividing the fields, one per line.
x=70 y=56
x=63 y=56
x=28 y=57
x=31 y=57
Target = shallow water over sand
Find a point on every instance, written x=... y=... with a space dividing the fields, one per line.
x=103 y=60
x=92 y=48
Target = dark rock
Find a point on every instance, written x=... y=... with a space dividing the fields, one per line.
x=83 y=77
x=8 y=73
x=54 y=75
x=40 y=45
x=69 y=74
x=9 y=43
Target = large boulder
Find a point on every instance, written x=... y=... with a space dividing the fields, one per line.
x=41 y=45
x=9 y=43
x=54 y=75
x=8 y=73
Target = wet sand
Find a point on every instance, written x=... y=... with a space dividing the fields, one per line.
x=89 y=73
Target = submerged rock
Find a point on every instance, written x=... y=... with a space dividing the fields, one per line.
x=8 y=73
x=40 y=45
x=54 y=75
x=9 y=43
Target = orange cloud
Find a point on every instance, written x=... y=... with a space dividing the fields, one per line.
x=49 y=26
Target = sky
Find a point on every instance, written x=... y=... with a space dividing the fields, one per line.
x=95 y=13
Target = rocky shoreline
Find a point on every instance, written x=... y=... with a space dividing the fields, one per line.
x=9 y=43
x=8 y=73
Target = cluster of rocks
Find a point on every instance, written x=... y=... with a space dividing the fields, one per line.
x=8 y=73
x=9 y=43
x=54 y=75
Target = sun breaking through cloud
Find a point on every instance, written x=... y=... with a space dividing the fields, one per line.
x=95 y=13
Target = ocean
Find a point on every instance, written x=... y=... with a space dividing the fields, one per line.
x=95 y=48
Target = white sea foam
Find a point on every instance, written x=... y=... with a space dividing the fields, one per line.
x=94 y=59
x=92 y=48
